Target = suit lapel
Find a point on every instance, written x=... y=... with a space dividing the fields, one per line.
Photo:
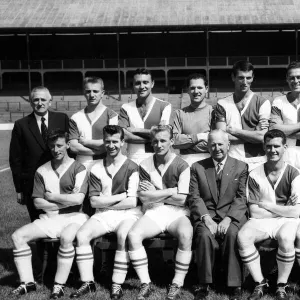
x=211 y=179
x=226 y=175
x=33 y=127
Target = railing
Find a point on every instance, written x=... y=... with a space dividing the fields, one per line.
x=132 y=63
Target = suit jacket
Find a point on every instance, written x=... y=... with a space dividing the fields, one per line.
x=203 y=198
x=27 y=149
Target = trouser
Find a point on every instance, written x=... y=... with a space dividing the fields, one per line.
x=206 y=252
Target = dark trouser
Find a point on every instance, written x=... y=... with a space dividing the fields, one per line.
x=206 y=248
x=33 y=212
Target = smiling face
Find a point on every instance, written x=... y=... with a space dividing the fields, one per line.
x=242 y=80
x=58 y=148
x=293 y=80
x=274 y=149
x=40 y=102
x=218 y=145
x=93 y=93
x=162 y=142
x=197 y=91
x=113 y=144
x=142 y=84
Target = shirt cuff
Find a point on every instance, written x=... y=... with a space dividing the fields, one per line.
x=204 y=216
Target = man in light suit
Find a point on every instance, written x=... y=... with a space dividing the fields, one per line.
x=218 y=208
x=28 y=147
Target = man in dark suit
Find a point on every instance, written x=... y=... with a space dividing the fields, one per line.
x=218 y=208
x=28 y=147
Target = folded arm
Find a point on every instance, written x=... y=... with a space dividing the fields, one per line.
x=65 y=199
x=134 y=138
x=78 y=148
x=46 y=205
x=281 y=211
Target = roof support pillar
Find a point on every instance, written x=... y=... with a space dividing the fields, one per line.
x=207 y=60
x=296 y=31
x=28 y=63
x=119 y=73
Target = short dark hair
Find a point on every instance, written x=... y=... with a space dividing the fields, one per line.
x=57 y=133
x=159 y=128
x=275 y=133
x=195 y=76
x=293 y=65
x=242 y=65
x=113 y=129
x=93 y=79
x=143 y=71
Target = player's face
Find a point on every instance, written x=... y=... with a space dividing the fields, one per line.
x=274 y=149
x=293 y=80
x=58 y=148
x=242 y=81
x=197 y=91
x=40 y=102
x=113 y=144
x=142 y=85
x=162 y=143
x=218 y=146
x=93 y=93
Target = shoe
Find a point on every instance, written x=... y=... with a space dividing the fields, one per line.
x=281 y=293
x=260 y=289
x=174 y=292
x=24 y=288
x=57 y=291
x=144 y=291
x=235 y=293
x=116 y=291
x=202 y=292
x=86 y=287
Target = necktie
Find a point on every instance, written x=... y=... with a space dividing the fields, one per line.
x=219 y=177
x=44 y=130
x=219 y=166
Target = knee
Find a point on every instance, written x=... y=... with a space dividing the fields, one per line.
x=66 y=241
x=245 y=238
x=185 y=236
x=83 y=237
x=17 y=239
x=134 y=238
x=121 y=237
x=202 y=236
x=286 y=242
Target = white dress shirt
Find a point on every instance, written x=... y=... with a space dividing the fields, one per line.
x=39 y=120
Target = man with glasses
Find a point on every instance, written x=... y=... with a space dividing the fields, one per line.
x=285 y=113
x=28 y=146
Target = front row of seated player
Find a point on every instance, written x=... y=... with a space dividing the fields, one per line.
x=215 y=194
x=60 y=187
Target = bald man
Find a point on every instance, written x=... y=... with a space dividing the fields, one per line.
x=217 y=202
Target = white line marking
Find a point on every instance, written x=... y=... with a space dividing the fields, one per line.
x=3 y=170
x=7 y=126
